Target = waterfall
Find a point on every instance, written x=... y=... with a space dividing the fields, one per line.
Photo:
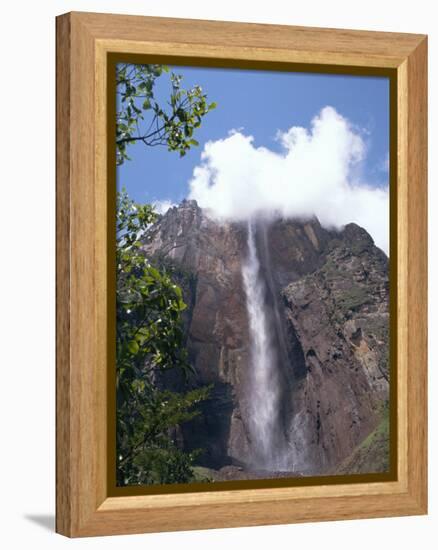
x=267 y=350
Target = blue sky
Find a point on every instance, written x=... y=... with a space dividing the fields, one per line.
x=259 y=103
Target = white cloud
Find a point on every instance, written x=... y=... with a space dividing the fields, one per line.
x=161 y=207
x=316 y=174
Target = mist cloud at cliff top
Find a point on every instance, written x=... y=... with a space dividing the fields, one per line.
x=316 y=173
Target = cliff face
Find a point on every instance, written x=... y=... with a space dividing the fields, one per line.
x=330 y=290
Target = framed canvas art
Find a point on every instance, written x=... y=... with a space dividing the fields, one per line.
x=241 y=274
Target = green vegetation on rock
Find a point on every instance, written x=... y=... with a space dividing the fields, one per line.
x=372 y=454
x=352 y=298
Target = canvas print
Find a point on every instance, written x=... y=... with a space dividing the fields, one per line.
x=252 y=274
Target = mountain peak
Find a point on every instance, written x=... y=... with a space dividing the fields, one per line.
x=191 y=203
x=330 y=291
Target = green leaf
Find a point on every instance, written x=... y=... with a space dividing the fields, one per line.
x=133 y=347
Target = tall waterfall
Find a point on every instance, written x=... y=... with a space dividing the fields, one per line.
x=267 y=350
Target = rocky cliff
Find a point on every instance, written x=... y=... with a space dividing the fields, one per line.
x=330 y=291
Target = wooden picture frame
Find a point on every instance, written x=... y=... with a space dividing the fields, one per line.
x=86 y=505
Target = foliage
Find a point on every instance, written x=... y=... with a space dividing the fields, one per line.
x=149 y=304
x=141 y=118
x=149 y=341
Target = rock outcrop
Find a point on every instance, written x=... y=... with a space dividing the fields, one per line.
x=332 y=287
